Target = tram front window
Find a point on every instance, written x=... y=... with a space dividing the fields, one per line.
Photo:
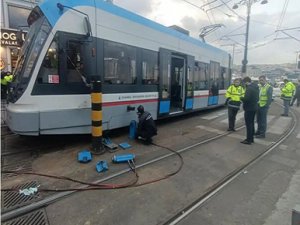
x=35 y=40
x=49 y=68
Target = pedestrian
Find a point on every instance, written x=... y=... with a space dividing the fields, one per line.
x=233 y=102
x=146 y=126
x=6 y=78
x=286 y=95
x=297 y=95
x=250 y=107
x=265 y=100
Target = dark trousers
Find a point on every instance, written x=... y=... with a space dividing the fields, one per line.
x=286 y=104
x=294 y=99
x=232 y=117
x=249 y=120
x=3 y=91
x=262 y=120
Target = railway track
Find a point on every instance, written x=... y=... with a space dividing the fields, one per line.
x=187 y=209
x=219 y=186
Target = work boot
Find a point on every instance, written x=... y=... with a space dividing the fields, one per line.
x=246 y=142
x=260 y=136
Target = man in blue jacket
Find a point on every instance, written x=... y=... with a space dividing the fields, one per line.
x=265 y=100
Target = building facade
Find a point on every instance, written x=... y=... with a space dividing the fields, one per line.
x=14 y=26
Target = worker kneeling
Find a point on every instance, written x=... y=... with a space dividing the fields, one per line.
x=146 y=126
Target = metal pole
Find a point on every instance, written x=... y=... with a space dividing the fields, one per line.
x=297 y=57
x=233 y=48
x=245 y=61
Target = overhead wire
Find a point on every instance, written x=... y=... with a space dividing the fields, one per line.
x=218 y=6
x=213 y=19
x=230 y=32
x=232 y=10
x=208 y=3
x=281 y=18
x=193 y=5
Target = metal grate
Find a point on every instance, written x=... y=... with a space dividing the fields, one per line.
x=34 y=218
x=12 y=199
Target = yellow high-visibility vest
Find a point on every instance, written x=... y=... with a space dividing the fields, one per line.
x=263 y=97
x=287 y=91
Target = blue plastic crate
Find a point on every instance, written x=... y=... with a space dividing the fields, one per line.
x=84 y=156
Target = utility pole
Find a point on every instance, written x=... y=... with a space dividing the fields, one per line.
x=245 y=60
x=248 y=3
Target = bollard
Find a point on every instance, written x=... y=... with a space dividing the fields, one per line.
x=96 y=97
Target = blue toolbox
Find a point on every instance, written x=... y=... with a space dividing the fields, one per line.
x=123 y=158
x=101 y=166
x=84 y=156
x=125 y=145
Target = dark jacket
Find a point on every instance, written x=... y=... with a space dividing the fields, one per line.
x=146 y=126
x=251 y=97
x=297 y=94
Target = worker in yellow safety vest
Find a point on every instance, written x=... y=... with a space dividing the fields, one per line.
x=265 y=100
x=233 y=101
x=287 y=93
x=6 y=78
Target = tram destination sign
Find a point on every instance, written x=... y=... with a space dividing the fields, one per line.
x=9 y=37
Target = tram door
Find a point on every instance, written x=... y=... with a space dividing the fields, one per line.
x=177 y=83
x=175 y=87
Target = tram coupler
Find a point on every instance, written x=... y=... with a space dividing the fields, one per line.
x=123 y=158
x=130 y=108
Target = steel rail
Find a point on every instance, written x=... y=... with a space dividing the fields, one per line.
x=219 y=186
x=7 y=215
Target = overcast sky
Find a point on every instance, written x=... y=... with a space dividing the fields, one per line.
x=265 y=45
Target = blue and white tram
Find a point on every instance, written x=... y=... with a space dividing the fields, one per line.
x=137 y=60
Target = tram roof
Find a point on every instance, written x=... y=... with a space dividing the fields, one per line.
x=53 y=14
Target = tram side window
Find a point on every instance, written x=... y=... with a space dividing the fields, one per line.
x=48 y=73
x=149 y=67
x=200 y=80
x=214 y=78
x=226 y=75
x=119 y=63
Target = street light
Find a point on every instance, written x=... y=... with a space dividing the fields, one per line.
x=248 y=3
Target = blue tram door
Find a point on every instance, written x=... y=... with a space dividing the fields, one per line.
x=164 y=82
x=176 y=83
x=215 y=73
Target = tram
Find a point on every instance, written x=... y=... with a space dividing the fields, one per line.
x=138 y=61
